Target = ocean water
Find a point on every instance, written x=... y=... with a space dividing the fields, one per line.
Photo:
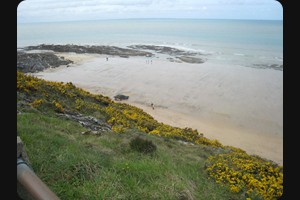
x=242 y=42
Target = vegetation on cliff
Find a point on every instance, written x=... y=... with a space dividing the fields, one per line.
x=184 y=165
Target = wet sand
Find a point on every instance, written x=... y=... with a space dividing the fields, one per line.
x=239 y=106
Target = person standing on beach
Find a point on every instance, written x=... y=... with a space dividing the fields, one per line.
x=152 y=105
x=106 y=58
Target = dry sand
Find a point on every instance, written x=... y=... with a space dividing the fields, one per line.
x=239 y=106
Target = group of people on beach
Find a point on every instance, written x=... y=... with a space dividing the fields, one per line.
x=148 y=62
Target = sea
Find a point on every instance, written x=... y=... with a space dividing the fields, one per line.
x=243 y=42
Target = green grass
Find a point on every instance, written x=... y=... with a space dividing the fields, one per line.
x=77 y=166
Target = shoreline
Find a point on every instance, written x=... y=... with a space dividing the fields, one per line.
x=243 y=139
x=212 y=98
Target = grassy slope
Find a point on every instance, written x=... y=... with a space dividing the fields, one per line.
x=77 y=166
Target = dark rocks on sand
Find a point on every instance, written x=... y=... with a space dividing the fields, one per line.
x=189 y=59
x=182 y=55
x=34 y=62
x=108 y=50
x=120 y=97
x=164 y=50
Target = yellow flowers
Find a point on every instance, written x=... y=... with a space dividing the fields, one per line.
x=37 y=102
x=118 y=128
x=234 y=189
x=205 y=141
x=131 y=114
x=58 y=107
x=155 y=132
x=240 y=172
x=26 y=83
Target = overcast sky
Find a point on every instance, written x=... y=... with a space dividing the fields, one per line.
x=74 y=10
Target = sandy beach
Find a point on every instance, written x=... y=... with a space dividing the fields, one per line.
x=239 y=106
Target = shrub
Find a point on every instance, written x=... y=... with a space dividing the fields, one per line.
x=142 y=145
x=37 y=102
x=58 y=107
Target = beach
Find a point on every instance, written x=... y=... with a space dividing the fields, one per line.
x=239 y=106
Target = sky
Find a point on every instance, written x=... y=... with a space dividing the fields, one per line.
x=30 y=11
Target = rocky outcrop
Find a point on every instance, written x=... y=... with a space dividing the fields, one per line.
x=108 y=50
x=95 y=126
x=120 y=97
x=178 y=54
x=34 y=62
x=190 y=59
x=165 y=50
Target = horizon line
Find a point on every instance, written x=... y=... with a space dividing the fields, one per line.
x=135 y=18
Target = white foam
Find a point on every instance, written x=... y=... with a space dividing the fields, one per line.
x=239 y=54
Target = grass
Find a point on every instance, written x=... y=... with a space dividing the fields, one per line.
x=77 y=166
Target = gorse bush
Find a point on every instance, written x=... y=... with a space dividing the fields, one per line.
x=241 y=172
x=142 y=145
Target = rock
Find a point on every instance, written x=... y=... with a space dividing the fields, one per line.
x=174 y=60
x=185 y=143
x=182 y=55
x=189 y=59
x=164 y=50
x=107 y=50
x=120 y=97
x=95 y=126
x=34 y=62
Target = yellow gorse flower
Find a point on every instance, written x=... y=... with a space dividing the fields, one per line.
x=249 y=173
